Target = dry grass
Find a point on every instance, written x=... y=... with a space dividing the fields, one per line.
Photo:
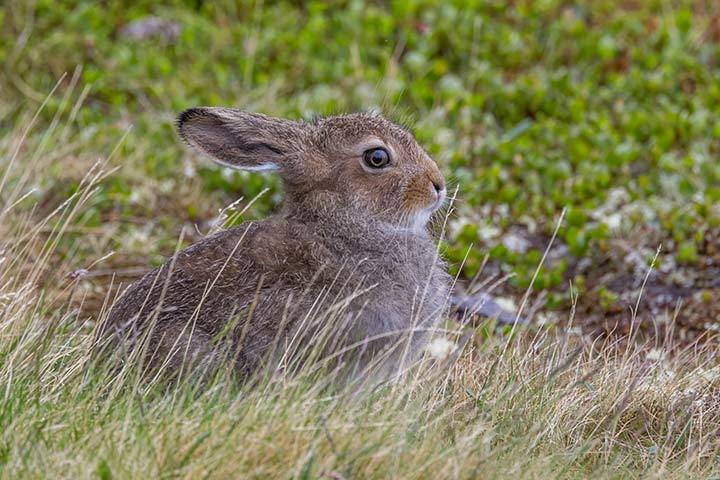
x=530 y=405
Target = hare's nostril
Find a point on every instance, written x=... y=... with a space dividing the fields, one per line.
x=438 y=185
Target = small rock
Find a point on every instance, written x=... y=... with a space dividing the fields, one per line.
x=440 y=348
x=149 y=27
x=655 y=355
x=515 y=243
x=79 y=273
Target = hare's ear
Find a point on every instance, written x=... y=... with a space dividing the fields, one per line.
x=242 y=140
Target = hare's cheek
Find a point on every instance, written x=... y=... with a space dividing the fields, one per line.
x=420 y=193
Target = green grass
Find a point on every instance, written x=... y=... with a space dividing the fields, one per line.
x=608 y=109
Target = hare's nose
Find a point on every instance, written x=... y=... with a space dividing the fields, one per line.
x=439 y=185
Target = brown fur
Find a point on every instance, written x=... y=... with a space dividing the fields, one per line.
x=349 y=249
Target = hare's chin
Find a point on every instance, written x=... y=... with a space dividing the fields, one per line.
x=419 y=221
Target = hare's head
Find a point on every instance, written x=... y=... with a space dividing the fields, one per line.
x=360 y=163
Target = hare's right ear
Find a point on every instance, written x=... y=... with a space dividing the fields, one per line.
x=242 y=140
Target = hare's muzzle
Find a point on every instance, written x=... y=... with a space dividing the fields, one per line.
x=437 y=189
x=439 y=195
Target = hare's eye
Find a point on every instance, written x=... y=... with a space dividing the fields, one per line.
x=376 y=158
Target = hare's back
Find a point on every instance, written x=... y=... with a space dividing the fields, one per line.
x=195 y=276
x=217 y=277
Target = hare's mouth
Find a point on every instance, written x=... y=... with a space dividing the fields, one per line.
x=436 y=203
x=420 y=218
x=439 y=199
x=417 y=218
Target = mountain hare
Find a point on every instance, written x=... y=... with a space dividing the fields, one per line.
x=346 y=269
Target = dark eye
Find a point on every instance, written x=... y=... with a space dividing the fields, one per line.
x=376 y=158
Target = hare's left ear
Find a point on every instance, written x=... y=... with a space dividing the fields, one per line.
x=242 y=140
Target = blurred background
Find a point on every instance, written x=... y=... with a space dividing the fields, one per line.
x=609 y=109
